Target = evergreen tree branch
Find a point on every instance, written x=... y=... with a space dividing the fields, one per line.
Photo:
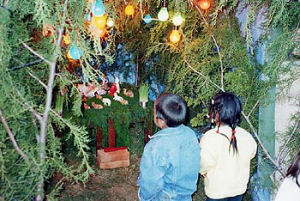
x=33 y=111
x=253 y=108
x=40 y=81
x=217 y=46
x=36 y=54
x=277 y=166
x=44 y=122
x=279 y=158
x=27 y=64
x=26 y=105
x=12 y=138
x=141 y=9
x=205 y=77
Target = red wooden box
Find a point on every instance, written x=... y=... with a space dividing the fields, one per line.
x=110 y=158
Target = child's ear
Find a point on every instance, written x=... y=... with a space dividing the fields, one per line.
x=160 y=123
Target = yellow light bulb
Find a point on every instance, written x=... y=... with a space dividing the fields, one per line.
x=99 y=22
x=129 y=10
x=175 y=36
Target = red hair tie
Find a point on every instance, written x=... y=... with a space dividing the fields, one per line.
x=233 y=134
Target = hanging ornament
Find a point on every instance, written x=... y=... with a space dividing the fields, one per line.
x=98 y=8
x=110 y=22
x=147 y=19
x=129 y=10
x=99 y=22
x=175 y=36
x=74 y=53
x=177 y=19
x=204 y=4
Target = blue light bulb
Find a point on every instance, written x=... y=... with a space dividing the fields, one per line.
x=75 y=52
x=98 y=8
x=147 y=19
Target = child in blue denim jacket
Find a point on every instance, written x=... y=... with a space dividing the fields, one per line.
x=170 y=162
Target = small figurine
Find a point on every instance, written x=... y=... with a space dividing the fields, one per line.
x=84 y=99
x=128 y=93
x=101 y=91
x=97 y=106
x=120 y=99
x=98 y=97
x=106 y=101
x=91 y=90
x=117 y=82
x=86 y=106
x=112 y=89
x=104 y=84
x=124 y=102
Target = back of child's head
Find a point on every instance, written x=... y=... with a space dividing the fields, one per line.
x=171 y=108
x=229 y=108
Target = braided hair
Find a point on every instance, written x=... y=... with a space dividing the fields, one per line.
x=228 y=107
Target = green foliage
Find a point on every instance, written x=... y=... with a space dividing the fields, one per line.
x=121 y=115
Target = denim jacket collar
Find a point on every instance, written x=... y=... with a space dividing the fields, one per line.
x=168 y=131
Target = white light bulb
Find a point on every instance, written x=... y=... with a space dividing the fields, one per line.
x=110 y=22
x=177 y=19
x=163 y=14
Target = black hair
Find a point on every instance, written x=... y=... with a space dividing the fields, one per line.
x=294 y=169
x=229 y=108
x=171 y=108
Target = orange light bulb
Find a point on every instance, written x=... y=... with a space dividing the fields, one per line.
x=175 y=36
x=204 y=4
x=129 y=10
x=99 y=22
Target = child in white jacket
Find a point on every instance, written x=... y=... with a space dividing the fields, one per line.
x=289 y=189
x=226 y=151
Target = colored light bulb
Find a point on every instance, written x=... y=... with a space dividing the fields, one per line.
x=163 y=14
x=147 y=19
x=75 y=52
x=129 y=10
x=175 y=36
x=204 y=4
x=99 y=22
x=98 y=8
x=177 y=19
x=110 y=22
